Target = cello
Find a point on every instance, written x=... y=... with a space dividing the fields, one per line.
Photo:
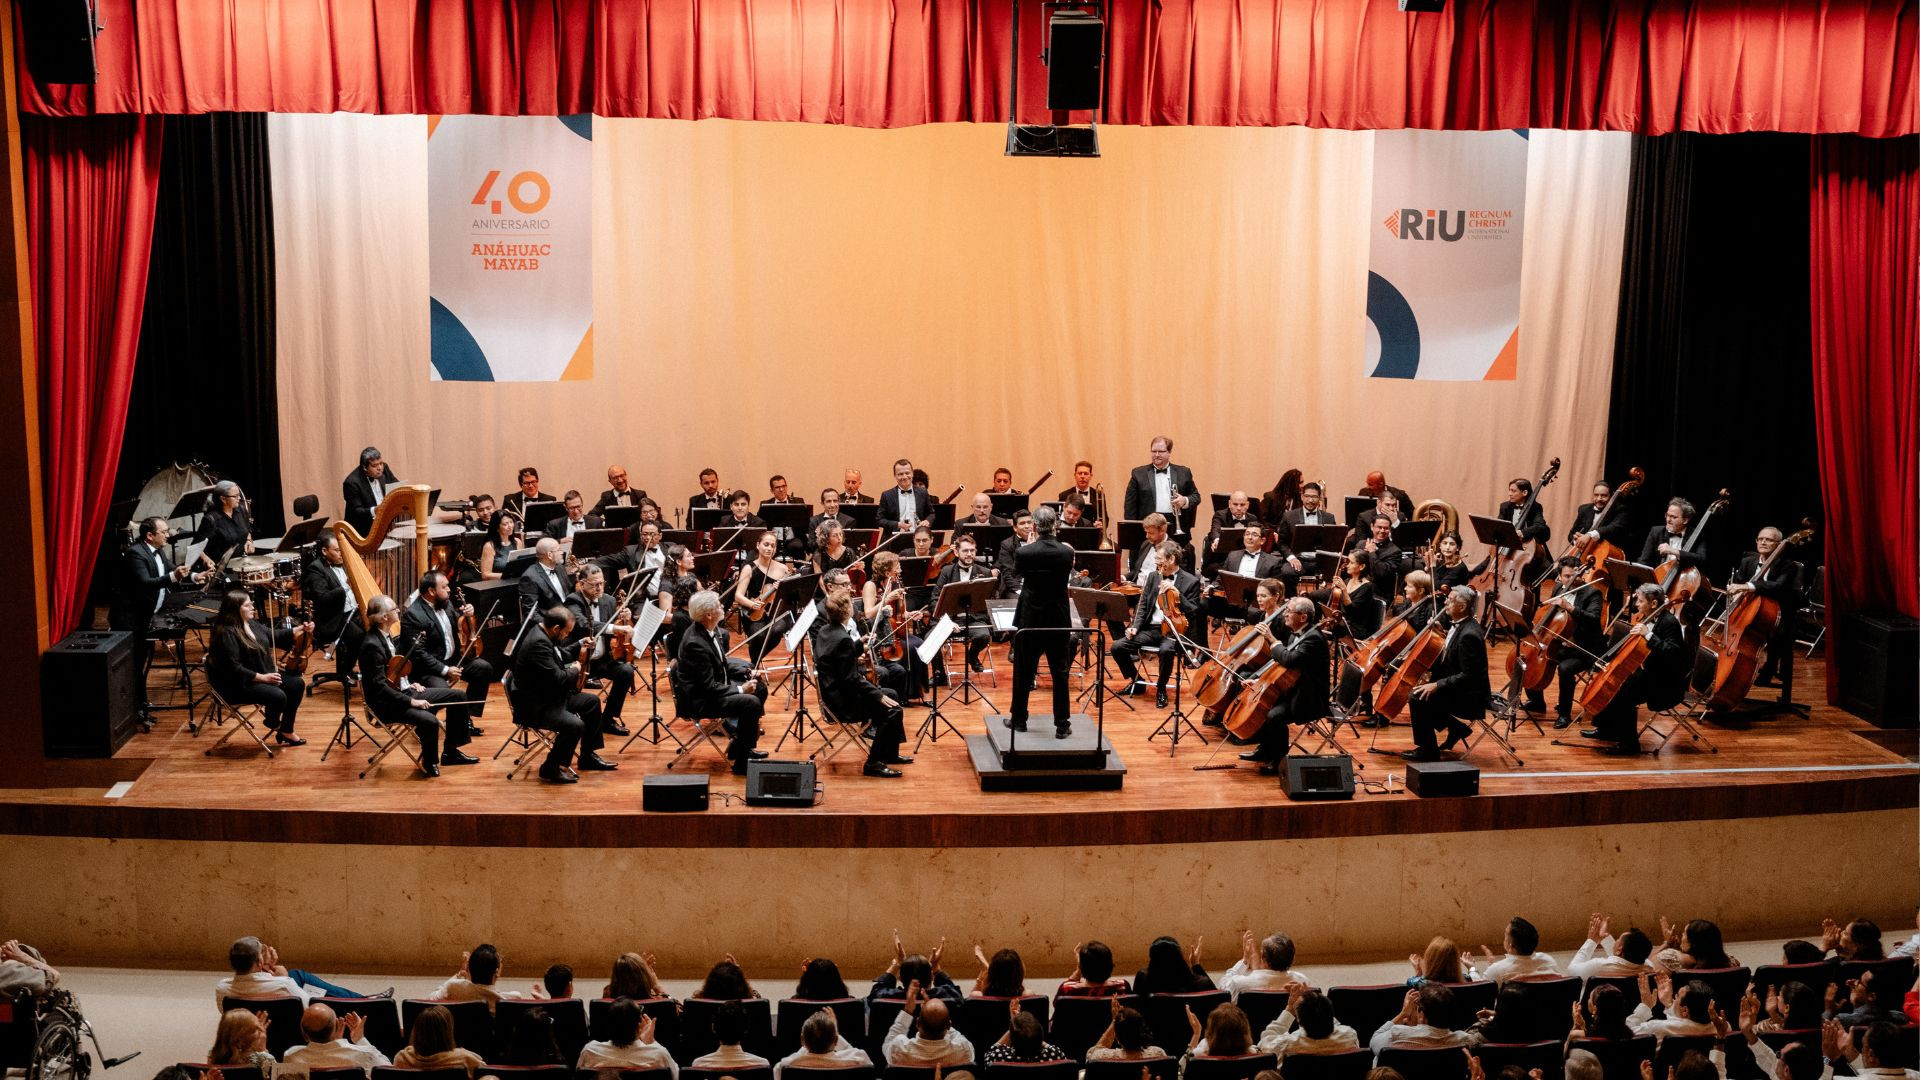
x=1595 y=551
x=1219 y=678
x=1387 y=643
x=1619 y=663
x=1511 y=586
x=1750 y=622
x=1415 y=661
x=1538 y=655
x=1248 y=713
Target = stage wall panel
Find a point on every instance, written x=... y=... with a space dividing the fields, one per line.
x=800 y=298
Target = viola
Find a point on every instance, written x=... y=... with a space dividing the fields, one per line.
x=1750 y=622
x=295 y=662
x=467 y=626
x=400 y=666
x=586 y=661
x=1169 y=602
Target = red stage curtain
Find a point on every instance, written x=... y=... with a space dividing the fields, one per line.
x=1866 y=347
x=90 y=199
x=1634 y=65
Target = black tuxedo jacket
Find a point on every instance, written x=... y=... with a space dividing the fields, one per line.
x=1264 y=565
x=1193 y=600
x=1588 y=615
x=541 y=682
x=848 y=496
x=890 y=506
x=320 y=588
x=357 y=491
x=702 y=501
x=1307 y=654
x=1650 y=550
x=587 y=521
x=1298 y=516
x=1781 y=584
x=950 y=573
x=611 y=497
x=1096 y=503
x=1140 y=497
x=1616 y=529
x=388 y=702
x=836 y=663
x=1224 y=519
x=420 y=637
x=817 y=520
x=538 y=594
x=1460 y=675
x=1534 y=527
x=233 y=661
x=1043 y=568
x=140 y=584
x=702 y=672
x=590 y=617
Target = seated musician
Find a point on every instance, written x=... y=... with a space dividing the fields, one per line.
x=1450 y=565
x=545 y=694
x=1457 y=687
x=1145 y=560
x=644 y=554
x=830 y=550
x=366 y=488
x=479 y=512
x=964 y=568
x=710 y=496
x=678 y=583
x=427 y=638
x=1613 y=530
x=791 y=546
x=1781 y=584
x=577 y=520
x=336 y=614
x=829 y=511
x=892 y=675
x=1023 y=533
x=1661 y=681
x=619 y=492
x=1302 y=647
x=1248 y=561
x=1277 y=500
x=1354 y=591
x=883 y=600
x=1093 y=499
x=777 y=490
x=1388 y=563
x=920 y=600
x=1419 y=608
x=594 y=610
x=740 y=513
x=983 y=512
x=226 y=526
x=1309 y=512
x=546 y=583
x=838 y=646
x=243 y=668
x=1002 y=480
x=528 y=481
x=851 y=493
x=1073 y=512
x=754 y=596
x=1150 y=630
x=1586 y=640
x=400 y=700
x=650 y=511
x=1377 y=486
x=1237 y=515
x=715 y=685
x=503 y=535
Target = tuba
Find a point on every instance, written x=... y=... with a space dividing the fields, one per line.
x=1438 y=510
x=356 y=549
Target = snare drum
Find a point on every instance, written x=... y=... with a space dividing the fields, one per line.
x=251 y=569
x=286 y=567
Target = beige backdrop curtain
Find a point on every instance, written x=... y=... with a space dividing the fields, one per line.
x=799 y=298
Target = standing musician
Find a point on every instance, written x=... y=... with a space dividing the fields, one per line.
x=1237 y=515
x=965 y=568
x=545 y=584
x=577 y=520
x=619 y=492
x=1457 y=688
x=593 y=618
x=227 y=525
x=709 y=497
x=1094 y=498
x=1002 y=480
x=1668 y=539
x=1588 y=639
x=1278 y=500
x=1043 y=567
x=1377 y=486
x=504 y=535
x=365 y=488
x=528 y=480
x=716 y=686
x=1304 y=648
x=1161 y=487
x=403 y=701
x=677 y=585
x=905 y=503
x=645 y=553
x=1385 y=556
x=1533 y=526
x=754 y=597
x=241 y=667
x=1781 y=585
x=1661 y=681
x=851 y=478
x=1149 y=623
x=830 y=550
x=884 y=591
x=983 y=512
x=337 y=628
x=1003 y=560
x=892 y=675
x=427 y=638
x=1248 y=561
x=829 y=511
x=1449 y=563
x=837 y=648
x=144 y=577
x=1614 y=530
x=544 y=695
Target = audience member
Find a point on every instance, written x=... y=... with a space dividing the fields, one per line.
x=1583 y=1065
x=257 y=973
x=432 y=1046
x=335 y=1042
x=1092 y=973
x=726 y=982
x=1605 y=1016
x=1696 y=946
x=1856 y=1004
x=1600 y=954
x=1793 y=1007
x=1425 y=1020
x=1801 y=952
x=1266 y=965
x=633 y=977
x=1523 y=959
x=532 y=1041
x=23 y=968
x=241 y=1039
x=823 y=1047
x=1317 y=1032
x=730 y=1030
x=476 y=980
x=1024 y=1040
x=629 y=1043
x=1381 y=1072
x=1877 y=1055
x=933 y=1040
x=1911 y=946
x=1169 y=970
x=907 y=968
x=1507 y=1021
x=1858 y=940
x=820 y=981
x=1441 y=962
x=1227 y=1033
x=1690 y=1014
x=1127 y=1037
x=1002 y=975
x=556 y=984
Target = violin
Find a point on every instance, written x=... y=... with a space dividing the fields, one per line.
x=620 y=641
x=400 y=666
x=586 y=661
x=466 y=627
x=1169 y=603
x=295 y=662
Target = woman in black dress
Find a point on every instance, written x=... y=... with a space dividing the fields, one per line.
x=242 y=668
x=227 y=527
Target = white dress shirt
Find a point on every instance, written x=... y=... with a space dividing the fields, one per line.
x=260 y=984
x=339 y=1054
x=1641 y=1022
x=1519 y=967
x=901 y=1049
x=459 y=989
x=729 y=1057
x=1597 y=958
x=1419 y=1037
x=909 y=507
x=608 y=1059
x=1163 y=491
x=1240 y=977
x=1282 y=1038
x=844 y=1055
x=1909 y=947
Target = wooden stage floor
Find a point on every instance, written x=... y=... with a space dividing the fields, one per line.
x=1767 y=766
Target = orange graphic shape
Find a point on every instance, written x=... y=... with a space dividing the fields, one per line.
x=581 y=366
x=1506 y=366
x=432 y=122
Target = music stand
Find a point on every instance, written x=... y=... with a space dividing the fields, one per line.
x=986 y=538
x=1177 y=719
x=1412 y=535
x=1008 y=503
x=705 y=518
x=686 y=538
x=619 y=516
x=940 y=516
x=646 y=628
x=713 y=566
x=1081 y=537
x=538 y=514
x=865 y=515
x=1219 y=500
x=742 y=538
x=792 y=594
x=792 y=517
x=1128 y=536
x=1232 y=539
x=191 y=504
x=1100 y=608
x=598 y=543
x=861 y=539
x=1237 y=589
x=1102 y=567
x=302 y=533
x=966 y=603
x=1355 y=505
x=1311 y=538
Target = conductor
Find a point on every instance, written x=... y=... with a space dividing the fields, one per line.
x=1043 y=567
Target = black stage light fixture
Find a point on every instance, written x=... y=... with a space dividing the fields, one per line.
x=1423 y=5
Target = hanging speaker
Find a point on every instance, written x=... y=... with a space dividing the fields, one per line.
x=59 y=38
x=1075 y=41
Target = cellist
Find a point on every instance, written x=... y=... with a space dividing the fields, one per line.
x=1303 y=648
x=1584 y=640
x=1457 y=688
x=1418 y=610
x=1781 y=584
x=1661 y=681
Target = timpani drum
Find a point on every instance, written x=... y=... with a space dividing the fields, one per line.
x=250 y=570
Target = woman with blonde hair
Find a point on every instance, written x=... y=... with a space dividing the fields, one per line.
x=241 y=1039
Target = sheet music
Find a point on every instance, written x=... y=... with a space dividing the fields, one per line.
x=930 y=647
x=193 y=553
x=1001 y=612
x=647 y=624
x=801 y=625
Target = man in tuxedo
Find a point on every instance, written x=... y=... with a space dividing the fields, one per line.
x=1614 y=528
x=1043 y=567
x=965 y=568
x=1587 y=638
x=1304 y=649
x=1386 y=506
x=852 y=494
x=1247 y=561
x=710 y=496
x=543 y=695
x=544 y=585
x=1662 y=679
x=145 y=574
x=593 y=611
x=1237 y=515
x=717 y=686
x=1668 y=539
x=405 y=701
x=1386 y=561
x=1002 y=480
x=1161 y=487
x=336 y=615
x=528 y=479
x=1377 y=485
x=427 y=635
x=365 y=488
x=577 y=520
x=846 y=691
x=983 y=512
x=1456 y=689
x=1094 y=499
x=1004 y=560
x=644 y=554
x=1532 y=524
x=829 y=511
x=1150 y=630
x=1309 y=512
x=619 y=492
x=1143 y=560
x=905 y=504
x=1780 y=582
x=777 y=490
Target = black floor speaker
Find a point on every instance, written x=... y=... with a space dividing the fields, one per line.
x=674 y=791
x=90 y=698
x=1875 y=656
x=1430 y=778
x=1325 y=776
x=781 y=783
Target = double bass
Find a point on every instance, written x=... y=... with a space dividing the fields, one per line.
x=1593 y=552
x=1683 y=583
x=1510 y=585
x=1750 y=622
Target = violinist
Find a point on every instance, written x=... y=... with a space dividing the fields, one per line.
x=650 y=511
x=1237 y=515
x=740 y=515
x=545 y=584
x=1457 y=687
x=829 y=511
x=645 y=554
x=1282 y=497
x=709 y=498
x=884 y=600
x=1384 y=556
x=1661 y=681
x=1248 y=561
x=983 y=511
x=336 y=614
x=1781 y=584
x=1449 y=562
x=754 y=596
x=1586 y=638
x=892 y=676
x=678 y=583
x=1303 y=648
x=837 y=649
x=226 y=526
x=830 y=550
x=504 y=535
x=1354 y=591
x=965 y=568
x=619 y=492
x=400 y=700
x=1093 y=498
x=242 y=668
x=544 y=694
x=1668 y=540
x=1002 y=481
x=427 y=638
x=713 y=685
x=921 y=596
x=528 y=482
x=594 y=611
x=1150 y=630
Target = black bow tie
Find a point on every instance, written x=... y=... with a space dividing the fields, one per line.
x=1159 y=472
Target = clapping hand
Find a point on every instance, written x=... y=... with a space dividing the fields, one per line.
x=356 y=1026
x=1193 y=1025
x=1829 y=935
x=1193 y=954
x=647 y=1025
x=1596 y=927
x=912 y=1005
x=933 y=958
x=1665 y=991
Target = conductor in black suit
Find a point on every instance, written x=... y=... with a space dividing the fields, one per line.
x=543 y=695
x=716 y=686
x=1043 y=567
x=905 y=503
x=144 y=576
x=1161 y=486
x=365 y=487
x=1457 y=689
x=1303 y=648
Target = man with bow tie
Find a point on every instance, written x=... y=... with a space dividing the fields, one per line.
x=1162 y=487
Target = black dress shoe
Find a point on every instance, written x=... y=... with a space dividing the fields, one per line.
x=1269 y=768
x=428 y=768
x=615 y=728
x=1254 y=756
x=1563 y=721
x=1132 y=689
x=1061 y=731
x=457 y=757
x=978 y=667
x=874 y=768
x=1375 y=720
x=1536 y=704
x=1591 y=733
x=758 y=755
x=1763 y=679
x=476 y=729
x=594 y=684
x=596 y=763
x=288 y=738
x=1160 y=699
x=557 y=777
x=1455 y=733
x=1017 y=725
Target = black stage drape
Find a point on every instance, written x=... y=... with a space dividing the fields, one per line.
x=1712 y=363
x=203 y=384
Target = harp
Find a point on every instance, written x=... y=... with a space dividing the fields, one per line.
x=356 y=549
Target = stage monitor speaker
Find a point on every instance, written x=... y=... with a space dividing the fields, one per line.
x=1325 y=776
x=1430 y=778
x=1075 y=40
x=674 y=791
x=781 y=783
x=59 y=39
x=97 y=706
x=1874 y=655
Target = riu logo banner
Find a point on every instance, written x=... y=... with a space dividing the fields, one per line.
x=1448 y=225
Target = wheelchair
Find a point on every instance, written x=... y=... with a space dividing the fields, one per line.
x=44 y=1037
